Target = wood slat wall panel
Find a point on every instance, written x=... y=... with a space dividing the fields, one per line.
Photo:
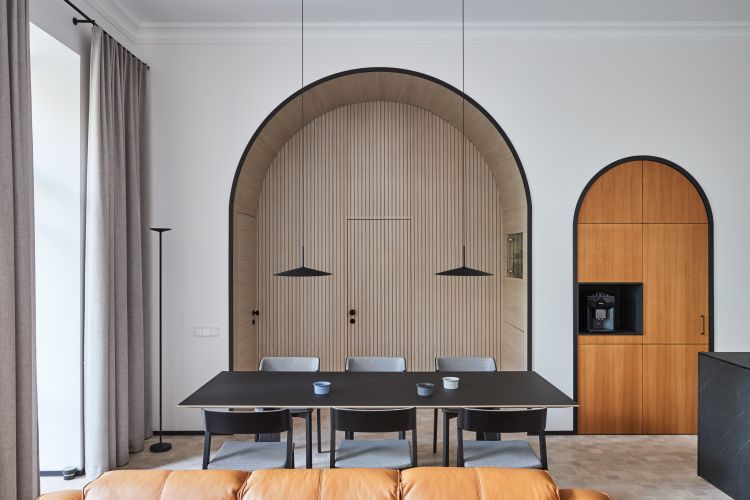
x=245 y=339
x=388 y=173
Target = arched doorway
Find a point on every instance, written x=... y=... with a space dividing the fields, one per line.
x=643 y=298
x=382 y=151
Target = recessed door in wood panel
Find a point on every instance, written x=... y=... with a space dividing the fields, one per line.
x=668 y=196
x=379 y=290
x=609 y=389
x=245 y=338
x=670 y=388
x=615 y=196
x=610 y=252
x=675 y=283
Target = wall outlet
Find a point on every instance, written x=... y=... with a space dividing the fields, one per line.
x=206 y=331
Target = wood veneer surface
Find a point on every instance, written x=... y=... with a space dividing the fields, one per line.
x=616 y=196
x=610 y=389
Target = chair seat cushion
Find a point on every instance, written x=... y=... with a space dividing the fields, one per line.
x=509 y=454
x=249 y=456
x=371 y=454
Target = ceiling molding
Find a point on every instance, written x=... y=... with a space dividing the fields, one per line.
x=418 y=32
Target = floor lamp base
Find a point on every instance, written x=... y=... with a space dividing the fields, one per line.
x=160 y=447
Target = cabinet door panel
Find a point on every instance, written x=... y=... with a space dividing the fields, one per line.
x=610 y=252
x=670 y=388
x=610 y=389
x=675 y=283
x=615 y=196
x=668 y=196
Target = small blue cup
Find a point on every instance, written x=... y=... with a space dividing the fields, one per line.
x=322 y=387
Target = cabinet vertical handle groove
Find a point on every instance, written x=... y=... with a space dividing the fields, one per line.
x=703 y=324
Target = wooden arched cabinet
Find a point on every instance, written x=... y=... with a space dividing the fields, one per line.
x=643 y=235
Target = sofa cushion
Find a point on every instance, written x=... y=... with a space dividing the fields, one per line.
x=430 y=483
x=166 y=485
x=312 y=484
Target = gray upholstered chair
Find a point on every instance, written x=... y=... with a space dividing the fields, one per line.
x=456 y=364
x=375 y=364
x=508 y=454
x=248 y=455
x=297 y=364
x=374 y=453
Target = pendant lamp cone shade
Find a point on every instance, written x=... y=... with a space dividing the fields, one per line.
x=463 y=270
x=303 y=271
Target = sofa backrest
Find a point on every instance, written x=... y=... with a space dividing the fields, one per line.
x=422 y=483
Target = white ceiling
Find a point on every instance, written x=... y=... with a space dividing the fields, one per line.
x=145 y=12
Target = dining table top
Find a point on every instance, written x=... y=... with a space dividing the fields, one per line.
x=256 y=389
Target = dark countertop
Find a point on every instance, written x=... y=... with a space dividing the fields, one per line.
x=741 y=359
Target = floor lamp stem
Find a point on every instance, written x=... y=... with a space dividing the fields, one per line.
x=161 y=446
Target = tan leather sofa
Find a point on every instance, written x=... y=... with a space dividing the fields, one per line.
x=422 y=483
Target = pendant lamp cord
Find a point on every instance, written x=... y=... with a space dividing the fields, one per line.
x=302 y=130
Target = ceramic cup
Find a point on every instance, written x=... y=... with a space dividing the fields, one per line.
x=450 y=382
x=322 y=387
x=425 y=389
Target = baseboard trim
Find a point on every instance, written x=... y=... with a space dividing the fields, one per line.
x=178 y=433
x=56 y=473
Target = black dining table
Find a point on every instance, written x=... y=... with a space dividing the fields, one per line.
x=294 y=390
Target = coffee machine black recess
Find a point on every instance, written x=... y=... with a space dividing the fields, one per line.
x=610 y=308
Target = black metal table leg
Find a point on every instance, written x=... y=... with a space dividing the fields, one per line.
x=434 y=431
x=308 y=440
x=446 y=440
x=320 y=447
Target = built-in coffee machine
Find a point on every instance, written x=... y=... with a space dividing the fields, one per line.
x=600 y=312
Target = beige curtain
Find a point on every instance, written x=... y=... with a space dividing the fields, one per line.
x=117 y=413
x=19 y=465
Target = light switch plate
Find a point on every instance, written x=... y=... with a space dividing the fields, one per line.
x=206 y=331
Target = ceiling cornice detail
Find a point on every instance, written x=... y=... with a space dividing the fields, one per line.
x=418 y=32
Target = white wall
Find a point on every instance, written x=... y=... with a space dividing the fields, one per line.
x=569 y=108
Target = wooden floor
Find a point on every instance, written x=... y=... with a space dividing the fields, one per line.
x=627 y=467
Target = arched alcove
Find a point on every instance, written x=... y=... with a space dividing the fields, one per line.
x=643 y=252
x=382 y=167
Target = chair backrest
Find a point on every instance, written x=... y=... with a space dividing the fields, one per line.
x=485 y=420
x=497 y=421
x=375 y=420
x=465 y=364
x=386 y=420
x=248 y=422
x=375 y=364
x=289 y=364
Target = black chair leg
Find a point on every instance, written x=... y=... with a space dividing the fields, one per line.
x=308 y=440
x=434 y=431
x=402 y=434
x=446 y=440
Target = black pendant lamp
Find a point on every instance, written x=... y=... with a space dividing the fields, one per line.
x=302 y=271
x=464 y=270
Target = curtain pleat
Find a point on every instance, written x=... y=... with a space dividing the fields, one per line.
x=117 y=414
x=19 y=463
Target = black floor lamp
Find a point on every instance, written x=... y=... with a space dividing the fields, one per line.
x=161 y=446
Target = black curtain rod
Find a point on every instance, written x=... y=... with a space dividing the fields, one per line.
x=87 y=20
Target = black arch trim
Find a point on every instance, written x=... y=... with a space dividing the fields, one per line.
x=709 y=216
x=384 y=69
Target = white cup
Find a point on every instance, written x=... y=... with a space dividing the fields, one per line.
x=450 y=382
